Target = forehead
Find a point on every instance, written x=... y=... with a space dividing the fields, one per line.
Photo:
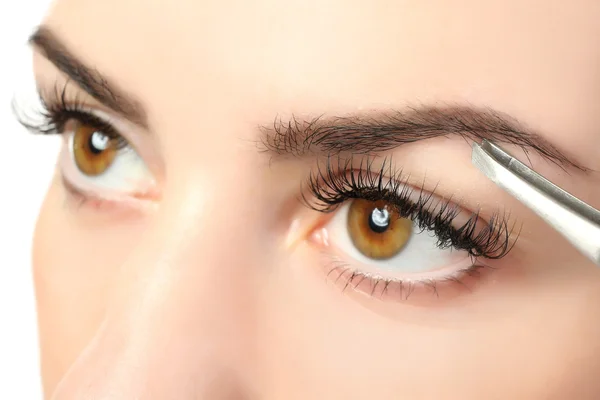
x=537 y=60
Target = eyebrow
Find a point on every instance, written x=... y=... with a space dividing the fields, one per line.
x=87 y=77
x=356 y=134
x=384 y=131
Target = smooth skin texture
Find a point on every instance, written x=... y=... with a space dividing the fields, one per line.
x=203 y=296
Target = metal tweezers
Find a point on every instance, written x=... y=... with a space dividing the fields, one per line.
x=577 y=221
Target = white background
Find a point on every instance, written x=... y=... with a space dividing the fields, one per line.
x=26 y=164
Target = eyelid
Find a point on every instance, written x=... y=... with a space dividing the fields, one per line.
x=116 y=201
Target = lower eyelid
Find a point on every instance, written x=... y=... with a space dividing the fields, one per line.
x=142 y=202
x=423 y=292
x=454 y=279
x=127 y=203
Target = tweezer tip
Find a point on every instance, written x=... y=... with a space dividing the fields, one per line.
x=485 y=145
x=496 y=152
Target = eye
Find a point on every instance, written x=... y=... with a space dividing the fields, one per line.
x=99 y=162
x=386 y=236
x=383 y=243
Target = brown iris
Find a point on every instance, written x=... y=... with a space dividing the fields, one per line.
x=376 y=230
x=93 y=150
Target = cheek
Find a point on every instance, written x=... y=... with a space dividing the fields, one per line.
x=73 y=266
x=322 y=343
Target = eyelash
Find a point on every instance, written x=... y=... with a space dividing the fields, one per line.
x=333 y=185
x=405 y=288
x=57 y=110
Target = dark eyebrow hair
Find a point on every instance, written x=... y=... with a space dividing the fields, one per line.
x=88 y=78
x=384 y=131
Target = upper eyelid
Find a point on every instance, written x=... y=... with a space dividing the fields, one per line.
x=66 y=96
x=123 y=128
x=496 y=235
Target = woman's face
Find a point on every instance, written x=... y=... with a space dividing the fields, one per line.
x=275 y=200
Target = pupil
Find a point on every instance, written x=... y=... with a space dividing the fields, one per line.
x=379 y=220
x=98 y=142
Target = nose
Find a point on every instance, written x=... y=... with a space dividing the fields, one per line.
x=180 y=316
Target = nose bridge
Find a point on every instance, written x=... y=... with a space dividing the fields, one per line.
x=176 y=311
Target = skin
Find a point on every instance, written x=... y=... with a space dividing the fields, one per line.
x=204 y=294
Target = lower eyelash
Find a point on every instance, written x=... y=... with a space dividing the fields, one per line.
x=332 y=185
x=78 y=199
x=344 y=276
